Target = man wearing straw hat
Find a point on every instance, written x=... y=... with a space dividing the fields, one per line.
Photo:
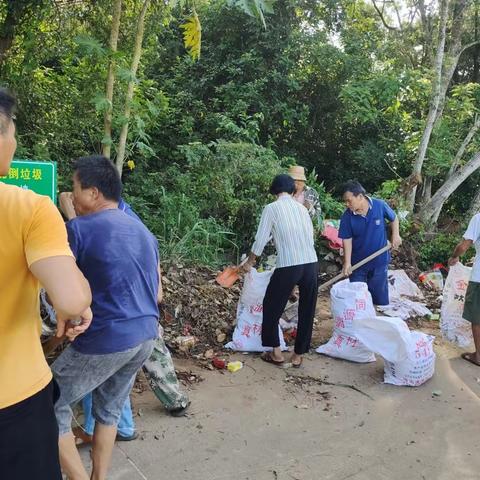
x=305 y=195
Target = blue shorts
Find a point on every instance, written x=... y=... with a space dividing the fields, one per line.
x=377 y=281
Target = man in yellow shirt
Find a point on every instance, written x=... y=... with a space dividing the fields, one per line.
x=33 y=250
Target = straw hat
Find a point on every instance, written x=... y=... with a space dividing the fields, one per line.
x=297 y=173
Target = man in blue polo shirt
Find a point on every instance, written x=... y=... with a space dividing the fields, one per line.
x=363 y=228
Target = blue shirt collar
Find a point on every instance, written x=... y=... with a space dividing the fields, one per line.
x=370 y=203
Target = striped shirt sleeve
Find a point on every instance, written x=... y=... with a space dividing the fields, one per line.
x=264 y=232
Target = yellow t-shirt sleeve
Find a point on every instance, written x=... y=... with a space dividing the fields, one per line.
x=46 y=235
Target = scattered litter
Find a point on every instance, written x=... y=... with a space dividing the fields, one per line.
x=433 y=279
x=193 y=299
x=209 y=354
x=185 y=342
x=221 y=337
x=188 y=377
x=234 y=366
x=436 y=393
x=330 y=232
x=404 y=296
x=219 y=363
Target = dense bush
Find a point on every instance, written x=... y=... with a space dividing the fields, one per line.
x=438 y=249
x=205 y=208
x=175 y=220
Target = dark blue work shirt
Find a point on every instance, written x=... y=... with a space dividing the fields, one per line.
x=369 y=233
x=119 y=257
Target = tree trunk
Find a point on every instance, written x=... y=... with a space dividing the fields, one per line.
x=476 y=53
x=137 y=53
x=452 y=56
x=431 y=209
x=107 y=130
x=456 y=162
x=475 y=205
x=427 y=57
x=7 y=30
x=426 y=193
x=434 y=104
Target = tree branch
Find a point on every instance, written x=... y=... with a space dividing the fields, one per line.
x=382 y=18
x=458 y=157
x=399 y=19
x=469 y=45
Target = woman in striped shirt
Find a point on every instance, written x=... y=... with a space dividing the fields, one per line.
x=291 y=227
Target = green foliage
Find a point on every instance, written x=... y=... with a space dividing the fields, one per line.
x=175 y=220
x=438 y=250
x=225 y=187
x=326 y=86
x=331 y=208
x=254 y=8
x=227 y=181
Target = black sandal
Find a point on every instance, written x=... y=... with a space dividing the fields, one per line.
x=468 y=358
x=267 y=357
x=299 y=364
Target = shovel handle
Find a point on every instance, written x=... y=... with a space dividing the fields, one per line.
x=357 y=265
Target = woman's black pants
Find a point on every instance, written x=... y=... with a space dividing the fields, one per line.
x=281 y=284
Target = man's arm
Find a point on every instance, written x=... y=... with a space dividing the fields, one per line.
x=460 y=250
x=345 y=232
x=65 y=203
x=392 y=217
x=347 y=257
x=396 y=239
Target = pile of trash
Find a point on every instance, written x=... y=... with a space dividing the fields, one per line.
x=406 y=299
x=197 y=313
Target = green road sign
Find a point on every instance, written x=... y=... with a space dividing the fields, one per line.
x=40 y=177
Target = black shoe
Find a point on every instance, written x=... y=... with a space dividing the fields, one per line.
x=180 y=411
x=121 y=438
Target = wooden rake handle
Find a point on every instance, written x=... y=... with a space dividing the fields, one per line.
x=357 y=265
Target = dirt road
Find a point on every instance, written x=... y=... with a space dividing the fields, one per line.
x=264 y=423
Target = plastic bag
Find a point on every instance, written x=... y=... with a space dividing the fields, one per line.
x=400 y=285
x=403 y=294
x=350 y=301
x=418 y=368
x=409 y=356
x=388 y=336
x=247 y=334
x=433 y=279
x=452 y=325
